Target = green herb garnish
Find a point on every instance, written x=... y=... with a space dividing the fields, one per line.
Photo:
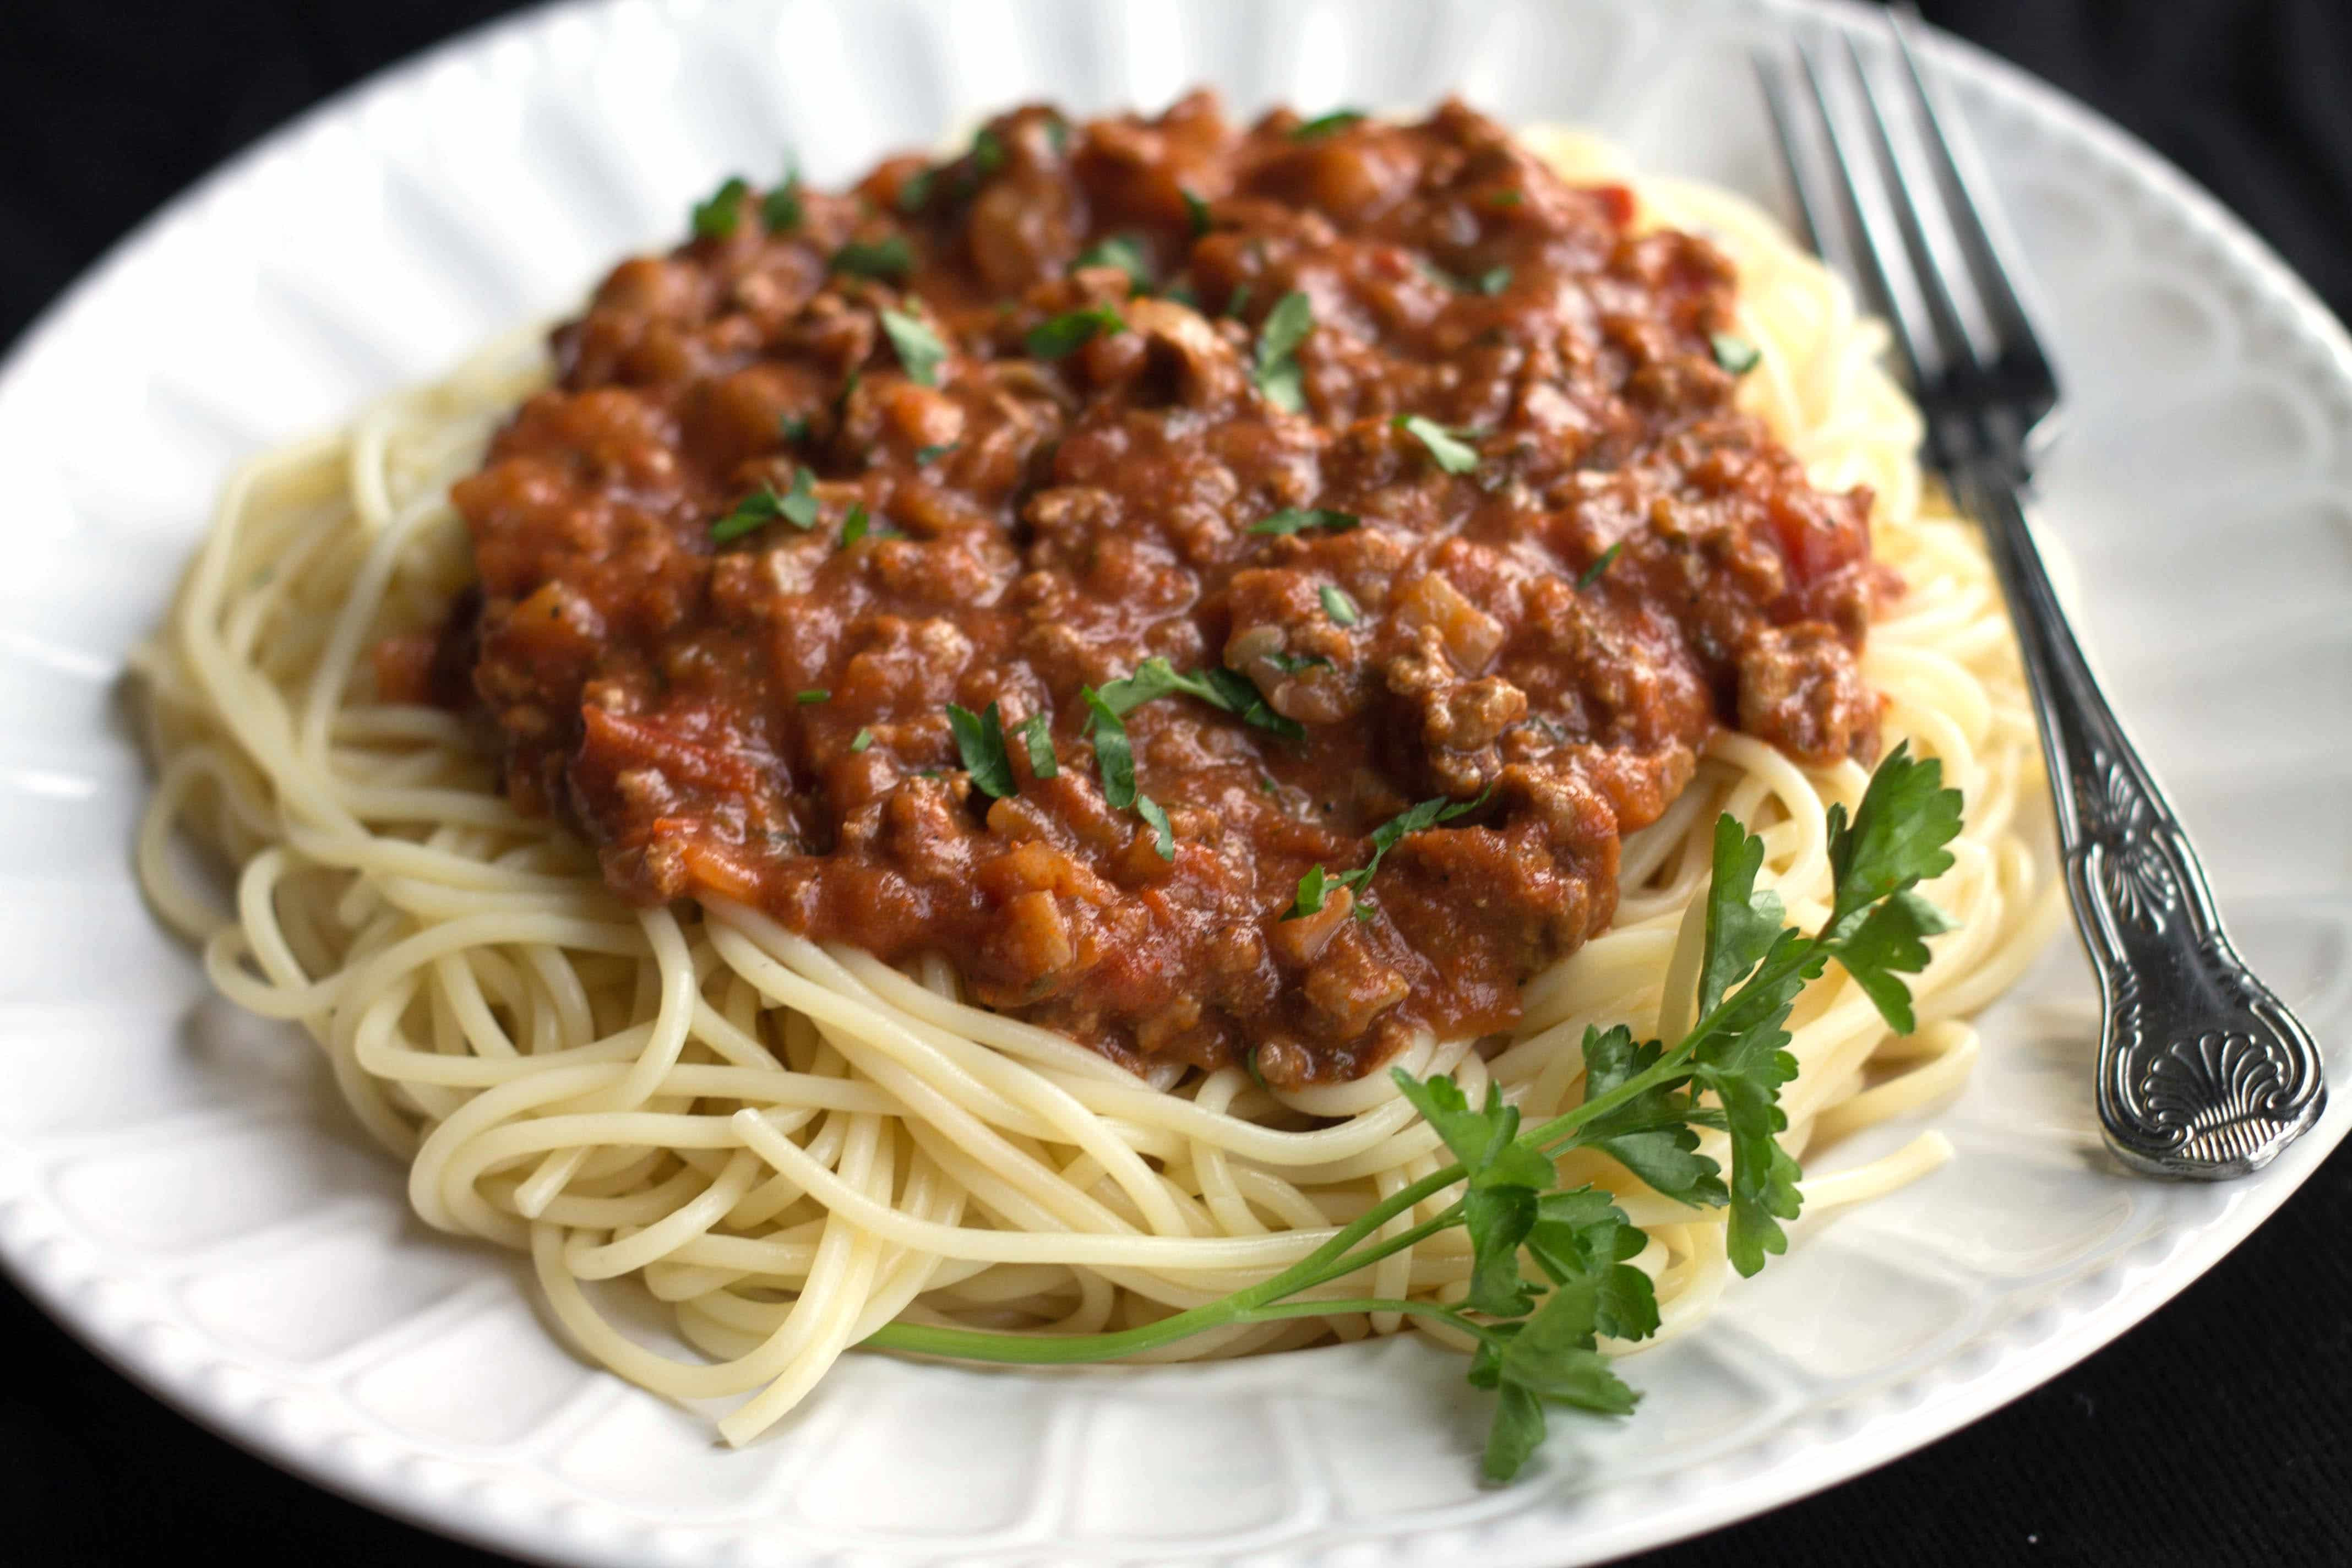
x=919 y=348
x=863 y=739
x=1314 y=891
x=1122 y=251
x=889 y=258
x=1323 y=125
x=1164 y=836
x=1227 y=689
x=813 y=696
x=797 y=505
x=1276 y=374
x=1537 y=1340
x=1298 y=663
x=1057 y=337
x=980 y=742
x=717 y=215
x=1037 y=734
x=781 y=210
x=1197 y=211
x=858 y=525
x=1296 y=520
x=794 y=427
x=1453 y=454
x=1591 y=574
x=1734 y=353
x=987 y=150
x=1339 y=605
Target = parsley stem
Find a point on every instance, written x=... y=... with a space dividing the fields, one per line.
x=1366 y=1304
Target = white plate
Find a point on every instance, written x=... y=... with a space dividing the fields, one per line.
x=179 y=1185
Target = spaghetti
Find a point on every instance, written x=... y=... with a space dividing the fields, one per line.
x=790 y=1145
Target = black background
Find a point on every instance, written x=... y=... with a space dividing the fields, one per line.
x=2215 y=1434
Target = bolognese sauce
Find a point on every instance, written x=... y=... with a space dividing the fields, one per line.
x=1228 y=590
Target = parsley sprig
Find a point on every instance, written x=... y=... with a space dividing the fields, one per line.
x=1538 y=1339
x=1276 y=371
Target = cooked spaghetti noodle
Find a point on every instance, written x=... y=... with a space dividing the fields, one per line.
x=790 y=1145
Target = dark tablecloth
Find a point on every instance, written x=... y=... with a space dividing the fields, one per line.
x=2217 y=1433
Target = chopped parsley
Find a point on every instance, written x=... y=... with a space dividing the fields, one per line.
x=1037 y=734
x=1396 y=829
x=1122 y=251
x=1276 y=372
x=1298 y=663
x=858 y=525
x=1114 y=758
x=919 y=348
x=987 y=150
x=1197 y=211
x=794 y=427
x=926 y=456
x=1237 y=302
x=1314 y=891
x=1454 y=455
x=863 y=739
x=889 y=258
x=813 y=696
x=781 y=210
x=717 y=215
x=1057 y=133
x=1296 y=520
x=1734 y=353
x=1591 y=574
x=1507 y=198
x=915 y=193
x=1057 y=337
x=1164 y=836
x=797 y=505
x=1492 y=281
x=980 y=742
x=1324 y=125
x=1227 y=689
x=1338 y=606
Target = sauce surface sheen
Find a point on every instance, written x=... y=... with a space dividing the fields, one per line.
x=758 y=707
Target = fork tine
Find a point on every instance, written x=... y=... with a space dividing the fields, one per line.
x=1927 y=269
x=1812 y=200
x=1878 y=246
x=1991 y=256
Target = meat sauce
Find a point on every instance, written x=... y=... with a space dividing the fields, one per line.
x=1014 y=424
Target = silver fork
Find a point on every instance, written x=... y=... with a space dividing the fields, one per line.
x=2203 y=1071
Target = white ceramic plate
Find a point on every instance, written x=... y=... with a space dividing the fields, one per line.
x=179 y=1185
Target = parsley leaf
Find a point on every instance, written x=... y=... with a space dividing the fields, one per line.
x=717 y=215
x=1651 y=1134
x=1197 y=211
x=1492 y=281
x=1314 y=890
x=857 y=525
x=987 y=150
x=1114 y=758
x=919 y=348
x=1276 y=374
x=1219 y=688
x=1037 y=734
x=813 y=696
x=781 y=210
x=797 y=505
x=1896 y=838
x=889 y=258
x=794 y=427
x=926 y=456
x=1164 y=836
x=1411 y=820
x=1057 y=337
x=1298 y=663
x=915 y=194
x=1891 y=941
x=1324 y=125
x=1733 y=352
x=1742 y=922
x=979 y=740
x=863 y=739
x=1338 y=606
x=1454 y=455
x=1121 y=250
x=1297 y=520
x=1591 y=574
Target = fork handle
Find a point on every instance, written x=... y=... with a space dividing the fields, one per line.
x=2203 y=1071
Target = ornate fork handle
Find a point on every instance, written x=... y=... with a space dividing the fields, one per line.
x=2203 y=1071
